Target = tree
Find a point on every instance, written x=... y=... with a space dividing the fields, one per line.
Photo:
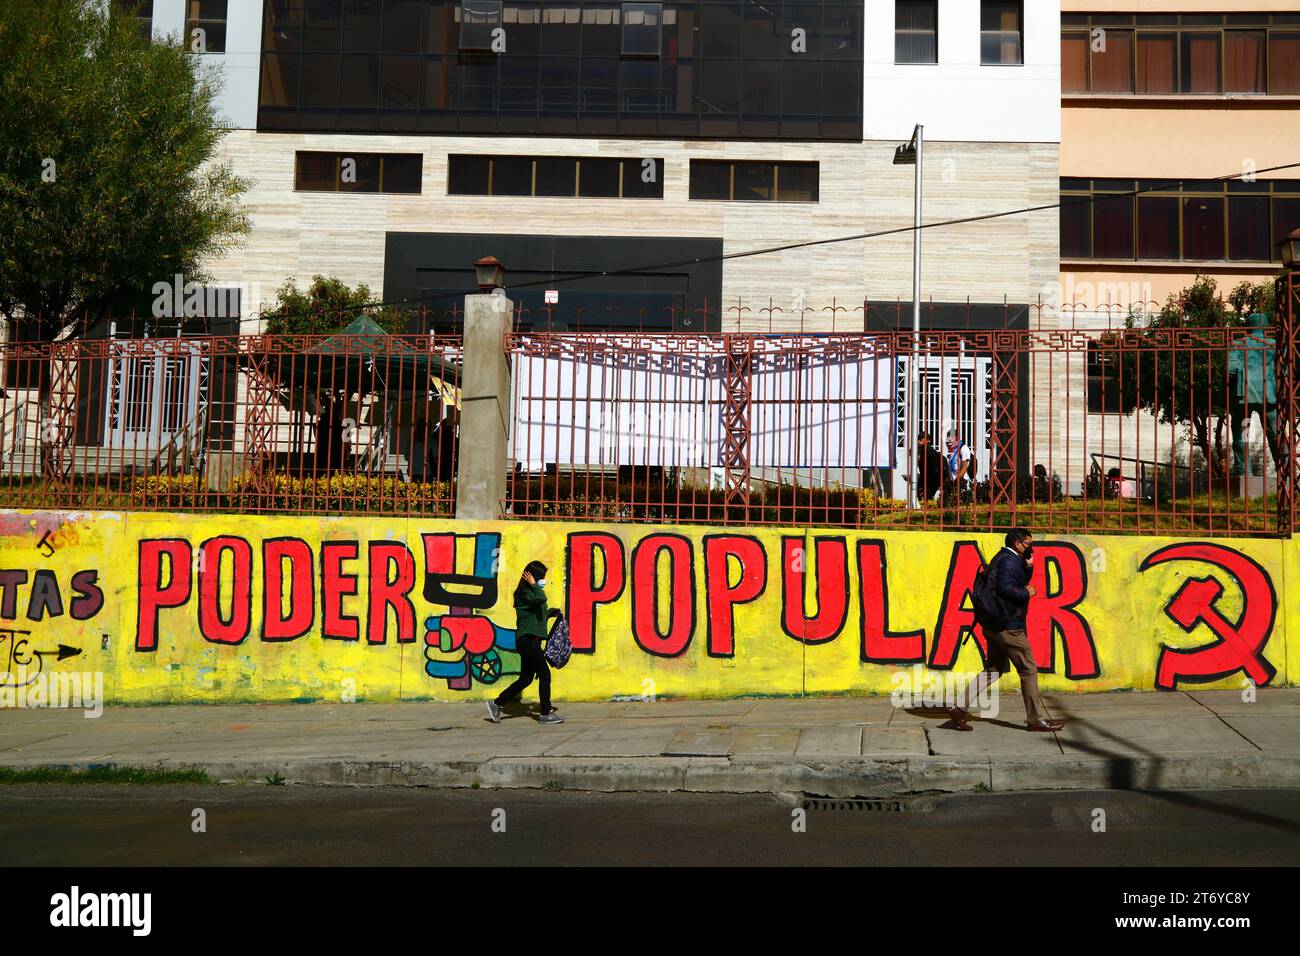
x=1189 y=386
x=327 y=306
x=107 y=184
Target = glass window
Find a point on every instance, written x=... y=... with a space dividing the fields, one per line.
x=797 y=182
x=205 y=26
x=916 y=31
x=512 y=176
x=1001 y=26
x=1157 y=227
x=478 y=20
x=1076 y=227
x=1112 y=62
x=401 y=26
x=1286 y=219
x=401 y=173
x=1104 y=393
x=1074 y=62
x=643 y=178
x=1243 y=61
x=142 y=11
x=468 y=175
x=1284 y=62
x=754 y=181
x=1157 y=63
x=357 y=172
x=316 y=172
x=1248 y=228
x=642 y=28
x=1200 y=54
x=1112 y=227
x=557 y=176
x=1203 y=228
x=710 y=179
x=598 y=178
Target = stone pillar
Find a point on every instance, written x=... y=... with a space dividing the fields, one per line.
x=481 y=458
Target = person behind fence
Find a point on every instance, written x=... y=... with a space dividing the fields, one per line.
x=960 y=462
x=530 y=631
x=930 y=466
x=1004 y=629
x=1117 y=486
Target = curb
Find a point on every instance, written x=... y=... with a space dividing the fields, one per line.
x=844 y=778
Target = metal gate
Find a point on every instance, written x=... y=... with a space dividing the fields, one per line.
x=153 y=392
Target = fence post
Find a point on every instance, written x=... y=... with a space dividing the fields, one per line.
x=1006 y=394
x=482 y=460
x=1288 y=396
x=736 y=423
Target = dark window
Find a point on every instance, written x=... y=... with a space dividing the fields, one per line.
x=555 y=176
x=1200 y=55
x=598 y=178
x=1103 y=379
x=1112 y=62
x=642 y=28
x=1076 y=227
x=1243 y=61
x=141 y=11
x=1284 y=63
x=710 y=179
x=1203 y=228
x=1157 y=63
x=1286 y=219
x=479 y=19
x=753 y=181
x=1112 y=229
x=916 y=31
x=1157 y=227
x=587 y=68
x=643 y=178
x=1248 y=228
x=358 y=172
x=469 y=175
x=1001 y=32
x=1074 y=62
x=205 y=26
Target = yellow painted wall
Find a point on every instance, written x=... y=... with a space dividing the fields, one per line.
x=1127 y=610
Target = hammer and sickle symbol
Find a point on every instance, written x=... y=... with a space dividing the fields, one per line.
x=1239 y=644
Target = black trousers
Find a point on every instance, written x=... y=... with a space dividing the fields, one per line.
x=532 y=663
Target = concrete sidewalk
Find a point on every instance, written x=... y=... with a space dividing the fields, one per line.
x=841 y=747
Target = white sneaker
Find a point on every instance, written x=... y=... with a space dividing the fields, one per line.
x=494 y=712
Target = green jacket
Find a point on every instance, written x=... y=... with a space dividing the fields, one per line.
x=530 y=610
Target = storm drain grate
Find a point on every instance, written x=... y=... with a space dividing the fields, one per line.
x=812 y=802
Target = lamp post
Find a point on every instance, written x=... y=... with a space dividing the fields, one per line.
x=489 y=274
x=1289 y=245
x=912 y=154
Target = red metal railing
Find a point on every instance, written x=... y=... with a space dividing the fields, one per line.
x=1131 y=429
x=324 y=424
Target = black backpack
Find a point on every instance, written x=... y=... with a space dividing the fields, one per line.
x=990 y=611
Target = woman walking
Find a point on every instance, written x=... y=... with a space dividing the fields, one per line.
x=530 y=631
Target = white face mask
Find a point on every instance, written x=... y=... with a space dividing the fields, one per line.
x=541 y=582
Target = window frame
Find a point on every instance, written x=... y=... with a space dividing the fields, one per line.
x=472 y=49
x=1019 y=31
x=658 y=33
x=535 y=159
x=1180 y=26
x=934 y=5
x=1273 y=190
x=379 y=189
x=758 y=164
x=193 y=23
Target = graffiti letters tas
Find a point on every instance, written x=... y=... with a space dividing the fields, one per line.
x=558 y=645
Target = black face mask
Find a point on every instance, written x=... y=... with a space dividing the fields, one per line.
x=1029 y=553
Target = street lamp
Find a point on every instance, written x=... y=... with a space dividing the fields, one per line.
x=1290 y=249
x=489 y=273
x=912 y=154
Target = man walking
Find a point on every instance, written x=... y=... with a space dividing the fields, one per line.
x=1009 y=574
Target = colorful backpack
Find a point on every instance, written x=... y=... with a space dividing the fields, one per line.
x=558 y=645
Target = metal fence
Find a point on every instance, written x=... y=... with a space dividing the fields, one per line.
x=1170 y=430
x=265 y=424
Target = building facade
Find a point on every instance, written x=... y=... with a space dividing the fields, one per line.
x=392 y=142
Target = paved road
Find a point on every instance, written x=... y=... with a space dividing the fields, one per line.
x=327 y=826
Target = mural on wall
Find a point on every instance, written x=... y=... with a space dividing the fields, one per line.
x=266 y=608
